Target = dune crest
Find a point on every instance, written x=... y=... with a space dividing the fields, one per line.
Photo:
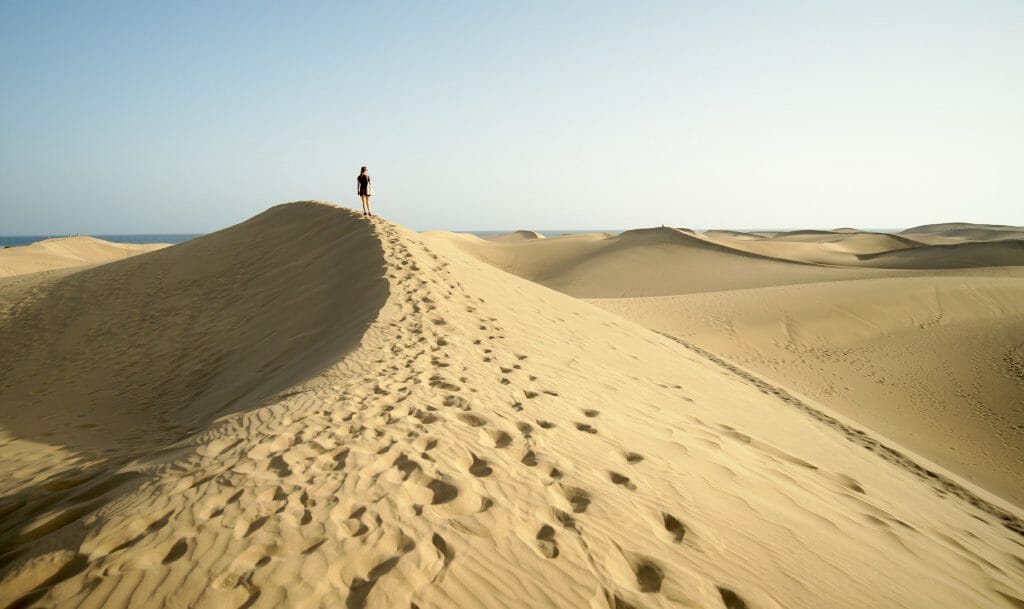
x=492 y=443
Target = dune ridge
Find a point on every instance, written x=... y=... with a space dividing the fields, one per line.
x=493 y=443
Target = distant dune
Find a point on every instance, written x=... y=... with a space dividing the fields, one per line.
x=932 y=362
x=645 y=262
x=519 y=235
x=310 y=409
x=915 y=340
x=65 y=252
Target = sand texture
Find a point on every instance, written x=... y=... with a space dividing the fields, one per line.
x=922 y=342
x=312 y=410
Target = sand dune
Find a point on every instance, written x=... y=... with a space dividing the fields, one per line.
x=646 y=262
x=931 y=362
x=519 y=235
x=489 y=443
x=64 y=252
x=151 y=348
x=817 y=247
x=960 y=255
x=960 y=232
x=922 y=348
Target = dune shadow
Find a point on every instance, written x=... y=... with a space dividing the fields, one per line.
x=121 y=359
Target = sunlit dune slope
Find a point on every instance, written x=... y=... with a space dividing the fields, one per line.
x=644 y=262
x=816 y=247
x=64 y=252
x=924 y=351
x=519 y=235
x=489 y=443
x=933 y=362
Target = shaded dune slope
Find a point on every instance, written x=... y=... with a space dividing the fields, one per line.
x=151 y=348
x=955 y=255
x=492 y=443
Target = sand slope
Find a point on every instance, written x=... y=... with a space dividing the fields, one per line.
x=961 y=232
x=66 y=252
x=113 y=358
x=644 y=262
x=923 y=348
x=932 y=362
x=490 y=443
x=959 y=255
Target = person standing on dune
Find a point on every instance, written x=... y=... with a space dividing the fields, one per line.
x=364 y=188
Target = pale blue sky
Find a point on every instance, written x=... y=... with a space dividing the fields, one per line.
x=188 y=117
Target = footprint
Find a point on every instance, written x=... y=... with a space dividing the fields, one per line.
x=479 y=468
x=405 y=465
x=731 y=599
x=565 y=520
x=441 y=383
x=530 y=394
x=621 y=480
x=524 y=428
x=552 y=393
x=633 y=458
x=672 y=525
x=501 y=439
x=256 y=525
x=443 y=492
x=177 y=551
x=360 y=588
x=529 y=459
x=546 y=541
x=278 y=465
x=425 y=417
x=649 y=576
x=585 y=427
x=442 y=546
x=454 y=401
x=590 y=413
x=578 y=498
x=616 y=602
x=545 y=424
x=472 y=420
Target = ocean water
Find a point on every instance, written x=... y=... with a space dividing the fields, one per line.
x=15 y=240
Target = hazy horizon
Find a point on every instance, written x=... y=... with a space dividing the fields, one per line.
x=123 y=119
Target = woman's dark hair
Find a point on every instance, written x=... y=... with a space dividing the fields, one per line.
x=362 y=169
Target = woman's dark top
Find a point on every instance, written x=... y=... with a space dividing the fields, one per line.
x=364 y=184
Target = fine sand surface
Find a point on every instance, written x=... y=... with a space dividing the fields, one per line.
x=313 y=410
x=935 y=362
x=922 y=342
x=61 y=252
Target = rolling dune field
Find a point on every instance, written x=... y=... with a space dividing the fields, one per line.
x=309 y=409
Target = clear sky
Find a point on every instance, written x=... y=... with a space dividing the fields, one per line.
x=191 y=116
